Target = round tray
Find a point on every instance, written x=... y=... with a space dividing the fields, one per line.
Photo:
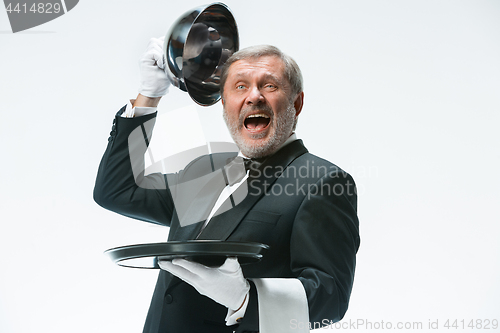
x=208 y=253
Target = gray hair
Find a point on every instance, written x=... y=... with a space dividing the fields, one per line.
x=292 y=70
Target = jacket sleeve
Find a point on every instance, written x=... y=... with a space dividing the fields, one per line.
x=121 y=185
x=324 y=242
x=323 y=246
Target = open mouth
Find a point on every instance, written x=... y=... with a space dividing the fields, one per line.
x=257 y=122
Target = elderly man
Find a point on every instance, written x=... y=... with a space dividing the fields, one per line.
x=302 y=206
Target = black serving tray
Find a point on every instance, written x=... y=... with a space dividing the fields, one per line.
x=206 y=252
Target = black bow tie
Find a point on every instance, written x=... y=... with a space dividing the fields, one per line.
x=237 y=168
x=252 y=164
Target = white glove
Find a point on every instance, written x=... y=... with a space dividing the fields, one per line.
x=154 y=80
x=225 y=284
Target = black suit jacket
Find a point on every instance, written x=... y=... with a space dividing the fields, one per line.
x=302 y=206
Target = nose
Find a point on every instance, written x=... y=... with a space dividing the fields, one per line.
x=254 y=96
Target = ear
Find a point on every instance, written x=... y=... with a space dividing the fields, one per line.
x=222 y=100
x=298 y=103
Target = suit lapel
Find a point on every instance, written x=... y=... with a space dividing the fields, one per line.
x=202 y=204
x=221 y=226
x=196 y=210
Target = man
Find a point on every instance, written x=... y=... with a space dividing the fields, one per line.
x=300 y=205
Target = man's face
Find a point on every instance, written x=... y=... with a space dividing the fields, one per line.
x=258 y=107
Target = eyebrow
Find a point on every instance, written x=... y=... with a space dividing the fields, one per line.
x=266 y=77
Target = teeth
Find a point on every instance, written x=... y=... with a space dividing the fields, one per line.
x=258 y=115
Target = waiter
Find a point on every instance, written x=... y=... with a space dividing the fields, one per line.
x=302 y=206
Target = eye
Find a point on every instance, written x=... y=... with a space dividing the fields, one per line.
x=271 y=86
x=239 y=87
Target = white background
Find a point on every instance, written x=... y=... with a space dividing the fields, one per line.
x=405 y=95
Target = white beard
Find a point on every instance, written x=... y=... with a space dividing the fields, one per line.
x=284 y=127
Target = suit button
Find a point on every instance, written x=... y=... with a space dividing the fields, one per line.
x=169 y=298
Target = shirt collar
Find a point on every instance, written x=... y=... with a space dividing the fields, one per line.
x=292 y=138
